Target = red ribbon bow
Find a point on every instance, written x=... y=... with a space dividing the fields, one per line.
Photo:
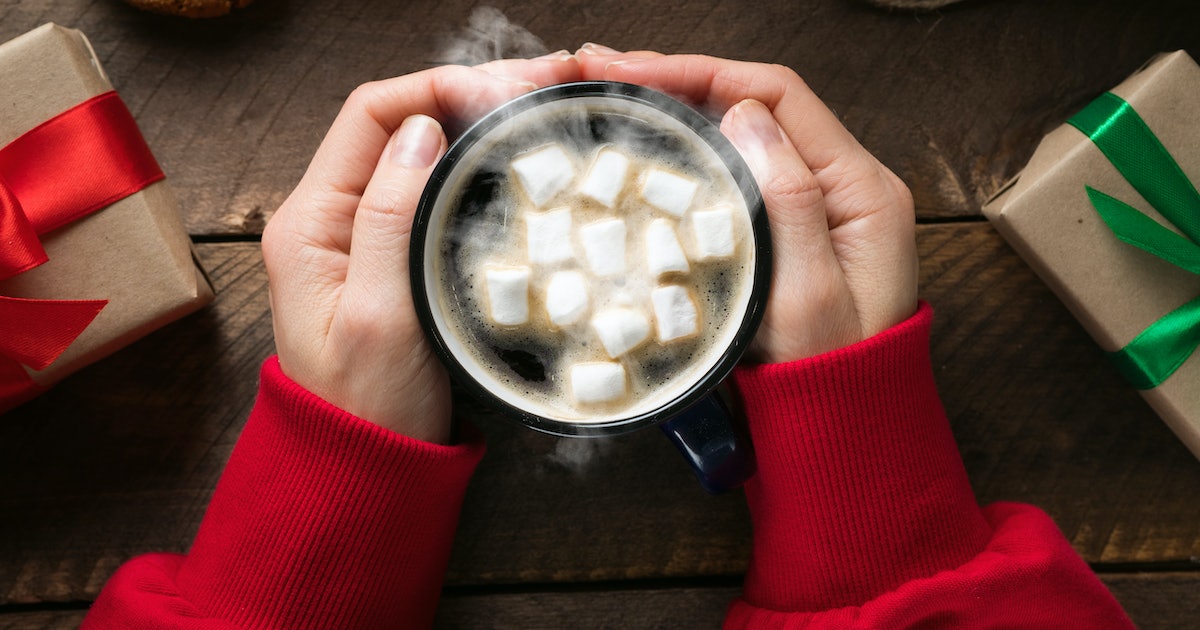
x=68 y=167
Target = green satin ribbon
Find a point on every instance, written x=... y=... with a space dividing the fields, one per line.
x=1140 y=157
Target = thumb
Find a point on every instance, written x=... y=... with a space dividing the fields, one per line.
x=383 y=221
x=810 y=301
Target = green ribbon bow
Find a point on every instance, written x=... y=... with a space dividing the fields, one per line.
x=1128 y=143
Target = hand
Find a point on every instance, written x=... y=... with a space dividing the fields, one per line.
x=842 y=224
x=336 y=251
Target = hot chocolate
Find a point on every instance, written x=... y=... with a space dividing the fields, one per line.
x=590 y=259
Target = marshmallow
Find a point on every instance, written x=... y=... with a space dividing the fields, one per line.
x=544 y=173
x=604 y=246
x=663 y=252
x=606 y=178
x=668 y=192
x=597 y=382
x=566 y=297
x=508 y=294
x=713 y=230
x=548 y=235
x=620 y=330
x=675 y=313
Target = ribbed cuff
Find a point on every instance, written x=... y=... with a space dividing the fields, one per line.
x=322 y=519
x=860 y=485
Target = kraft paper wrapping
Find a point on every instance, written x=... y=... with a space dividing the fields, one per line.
x=1114 y=289
x=134 y=253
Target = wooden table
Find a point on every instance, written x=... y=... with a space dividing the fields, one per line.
x=122 y=458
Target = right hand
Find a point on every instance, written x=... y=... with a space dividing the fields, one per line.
x=336 y=252
x=842 y=224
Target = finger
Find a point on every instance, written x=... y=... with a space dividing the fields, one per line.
x=790 y=191
x=719 y=84
x=346 y=159
x=796 y=208
x=594 y=57
x=378 y=271
x=551 y=69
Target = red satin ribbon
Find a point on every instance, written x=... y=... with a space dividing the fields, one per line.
x=60 y=171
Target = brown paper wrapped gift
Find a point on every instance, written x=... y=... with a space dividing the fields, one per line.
x=132 y=253
x=1114 y=289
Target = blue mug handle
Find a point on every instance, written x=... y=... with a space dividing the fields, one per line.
x=705 y=434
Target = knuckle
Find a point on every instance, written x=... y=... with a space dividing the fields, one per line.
x=785 y=78
x=361 y=96
x=898 y=188
x=389 y=202
x=783 y=73
x=899 y=197
x=368 y=323
x=828 y=297
x=274 y=243
x=792 y=188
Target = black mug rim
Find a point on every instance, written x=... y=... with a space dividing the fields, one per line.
x=702 y=127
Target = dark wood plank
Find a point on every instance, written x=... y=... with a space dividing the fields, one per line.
x=1155 y=601
x=953 y=101
x=42 y=620
x=1158 y=601
x=121 y=458
x=590 y=609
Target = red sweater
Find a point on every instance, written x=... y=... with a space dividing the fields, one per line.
x=863 y=517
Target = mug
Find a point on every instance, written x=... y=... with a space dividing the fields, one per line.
x=594 y=258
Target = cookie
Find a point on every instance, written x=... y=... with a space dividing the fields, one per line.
x=190 y=8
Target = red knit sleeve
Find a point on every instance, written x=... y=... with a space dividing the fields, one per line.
x=321 y=520
x=864 y=517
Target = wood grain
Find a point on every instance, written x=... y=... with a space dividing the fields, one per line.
x=953 y=101
x=42 y=620
x=1155 y=601
x=121 y=458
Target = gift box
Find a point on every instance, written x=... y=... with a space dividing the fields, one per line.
x=93 y=253
x=1106 y=212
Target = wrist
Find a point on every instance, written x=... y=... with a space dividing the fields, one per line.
x=832 y=332
x=415 y=403
x=857 y=466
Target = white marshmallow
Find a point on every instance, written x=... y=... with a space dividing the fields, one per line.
x=713 y=230
x=620 y=330
x=597 y=382
x=566 y=297
x=669 y=192
x=544 y=173
x=548 y=235
x=663 y=252
x=604 y=246
x=508 y=294
x=606 y=178
x=675 y=313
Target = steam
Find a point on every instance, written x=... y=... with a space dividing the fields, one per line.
x=488 y=36
x=577 y=455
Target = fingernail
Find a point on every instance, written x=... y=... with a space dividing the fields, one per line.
x=561 y=55
x=753 y=130
x=525 y=83
x=754 y=125
x=624 y=62
x=597 y=49
x=417 y=142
